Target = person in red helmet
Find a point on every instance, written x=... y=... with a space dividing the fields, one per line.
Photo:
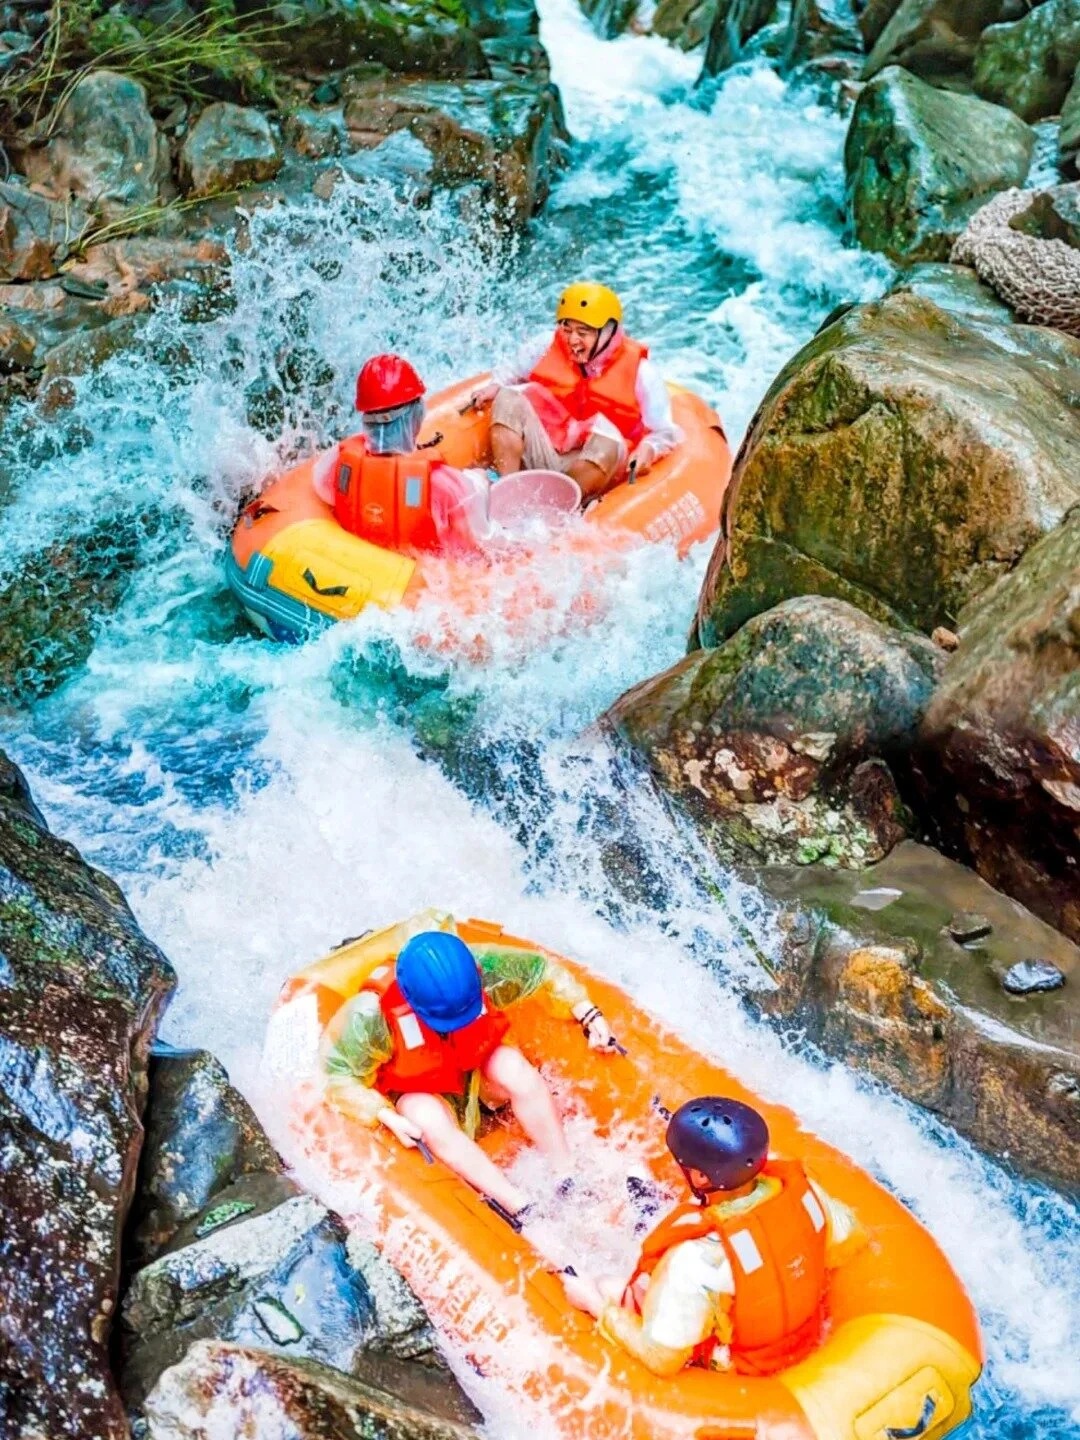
x=388 y=487
x=735 y=1280
x=426 y=1041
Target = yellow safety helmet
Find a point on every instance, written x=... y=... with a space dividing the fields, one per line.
x=590 y=303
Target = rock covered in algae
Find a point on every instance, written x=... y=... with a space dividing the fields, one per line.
x=920 y=161
x=777 y=741
x=1028 y=250
x=81 y=989
x=998 y=750
x=903 y=460
x=1029 y=64
x=227 y=147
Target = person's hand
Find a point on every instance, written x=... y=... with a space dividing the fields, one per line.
x=583 y=1294
x=596 y=1028
x=486 y=394
x=643 y=458
x=407 y=1131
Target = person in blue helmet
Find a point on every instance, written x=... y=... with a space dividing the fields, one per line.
x=425 y=1041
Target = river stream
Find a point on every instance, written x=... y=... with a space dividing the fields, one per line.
x=258 y=803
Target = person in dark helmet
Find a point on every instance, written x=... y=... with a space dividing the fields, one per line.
x=426 y=1040
x=736 y=1278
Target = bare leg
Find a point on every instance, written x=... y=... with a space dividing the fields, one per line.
x=508 y=1072
x=507 y=449
x=590 y=476
x=447 y=1141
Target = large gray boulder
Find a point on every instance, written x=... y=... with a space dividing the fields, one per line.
x=81 y=990
x=920 y=162
x=777 y=742
x=902 y=461
x=999 y=746
x=1029 y=64
x=104 y=148
x=935 y=38
x=229 y=146
x=269 y=1396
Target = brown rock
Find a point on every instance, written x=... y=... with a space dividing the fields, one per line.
x=34 y=233
x=998 y=751
x=947 y=640
x=936 y=38
x=871 y=973
x=228 y=146
x=18 y=349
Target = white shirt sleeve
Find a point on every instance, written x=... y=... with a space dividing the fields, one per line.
x=681 y=1303
x=520 y=367
x=655 y=401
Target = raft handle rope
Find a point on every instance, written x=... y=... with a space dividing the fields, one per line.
x=925 y=1420
x=310 y=580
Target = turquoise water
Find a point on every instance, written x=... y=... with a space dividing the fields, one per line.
x=258 y=803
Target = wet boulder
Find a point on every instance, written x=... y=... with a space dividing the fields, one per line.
x=934 y=38
x=998 y=752
x=201 y=1136
x=874 y=15
x=266 y=1394
x=777 y=743
x=868 y=970
x=18 y=348
x=228 y=146
x=500 y=137
x=956 y=288
x=104 y=147
x=735 y=24
x=902 y=461
x=610 y=17
x=34 y=233
x=263 y=1264
x=1029 y=64
x=53 y=602
x=920 y=161
x=81 y=990
x=1069 y=134
x=821 y=28
x=423 y=37
x=685 y=23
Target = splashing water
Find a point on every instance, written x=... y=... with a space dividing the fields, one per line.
x=259 y=803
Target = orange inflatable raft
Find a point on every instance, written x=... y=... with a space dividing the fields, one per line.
x=901 y=1349
x=295 y=569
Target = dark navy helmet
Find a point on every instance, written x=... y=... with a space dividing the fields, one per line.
x=441 y=981
x=724 y=1139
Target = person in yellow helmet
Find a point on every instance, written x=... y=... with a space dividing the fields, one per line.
x=586 y=401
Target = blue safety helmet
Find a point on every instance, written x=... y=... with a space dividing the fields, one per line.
x=724 y=1139
x=441 y=981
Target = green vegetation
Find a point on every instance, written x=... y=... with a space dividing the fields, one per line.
x=208 y=53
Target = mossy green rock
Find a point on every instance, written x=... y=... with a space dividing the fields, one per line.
x=53 y=603
x=428 y=37
x=956 y=288
x=1029 y=64
x=920 y=162
x=902 y=461
x=774 y=742
x=81 y=989
x=998 y=750
x=934 y=38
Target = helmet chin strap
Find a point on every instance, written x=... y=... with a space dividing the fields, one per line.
x=609 y=326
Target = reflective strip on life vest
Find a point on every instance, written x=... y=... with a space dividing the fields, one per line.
x=412 y=1037
x=746 y=1251
x=812 y=1206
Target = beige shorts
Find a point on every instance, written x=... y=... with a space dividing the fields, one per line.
x=512 y=409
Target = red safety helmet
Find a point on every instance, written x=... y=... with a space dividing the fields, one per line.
x=385 y=382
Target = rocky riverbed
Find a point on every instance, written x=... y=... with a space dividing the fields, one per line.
x=872 y=733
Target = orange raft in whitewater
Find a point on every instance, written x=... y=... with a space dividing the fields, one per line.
x=901 y=1350
x=295 y=569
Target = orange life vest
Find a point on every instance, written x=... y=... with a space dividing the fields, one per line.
x=424 y=1061
x=612 y=393
x=777 y=1254
x=386 y=498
